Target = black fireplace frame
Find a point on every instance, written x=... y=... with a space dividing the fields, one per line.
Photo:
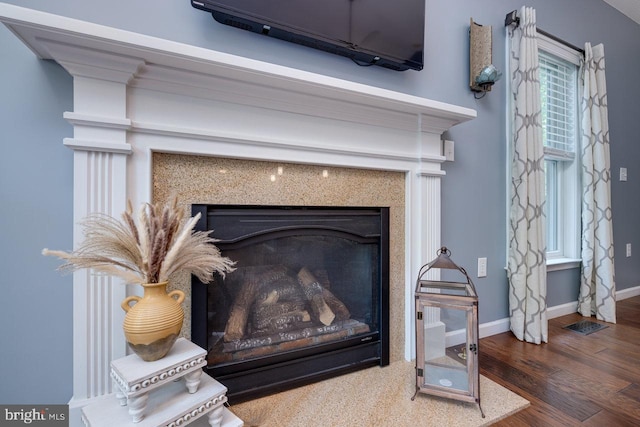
x=259 y=377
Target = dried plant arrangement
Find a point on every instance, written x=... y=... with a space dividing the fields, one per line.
x=160 y=243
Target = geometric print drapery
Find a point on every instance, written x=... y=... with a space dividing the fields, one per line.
x=526 y=265
x=597 y=288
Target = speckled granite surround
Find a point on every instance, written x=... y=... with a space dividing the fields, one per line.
x=201 y=179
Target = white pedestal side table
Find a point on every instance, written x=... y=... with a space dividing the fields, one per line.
x=134 y=378
x=153 y=393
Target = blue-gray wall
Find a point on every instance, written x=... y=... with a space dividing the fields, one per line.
x=35 y=168
x=36 y=204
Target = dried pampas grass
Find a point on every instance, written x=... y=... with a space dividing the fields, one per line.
x=159 y=244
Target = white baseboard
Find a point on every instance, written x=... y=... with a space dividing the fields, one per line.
x=502 y=325
x=493 y=328
x=562 y=310
x=628 y=293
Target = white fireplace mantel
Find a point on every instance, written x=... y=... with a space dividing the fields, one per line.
x=135 y=94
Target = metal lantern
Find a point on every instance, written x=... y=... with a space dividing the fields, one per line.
x=447 y=334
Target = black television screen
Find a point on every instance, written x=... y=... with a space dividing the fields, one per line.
x=388 y=33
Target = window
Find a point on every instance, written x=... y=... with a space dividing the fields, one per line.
x=560 y=97
x=559 y=66
x=561 y=129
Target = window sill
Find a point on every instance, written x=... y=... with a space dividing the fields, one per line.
x=557 y=264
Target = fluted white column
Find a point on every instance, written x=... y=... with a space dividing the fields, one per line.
x=98 y=187
x=100 y=126
x=425 y=221
x=430 y=220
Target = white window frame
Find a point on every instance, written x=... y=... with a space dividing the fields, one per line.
x=567 y=254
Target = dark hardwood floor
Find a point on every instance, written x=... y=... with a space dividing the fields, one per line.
x=575 y=379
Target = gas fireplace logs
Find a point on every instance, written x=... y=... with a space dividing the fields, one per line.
x=276 y=309
x=279 y=300
x=313 y=292
x=237 y=323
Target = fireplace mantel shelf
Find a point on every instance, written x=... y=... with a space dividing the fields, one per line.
x=85 y=48
x=135 y=95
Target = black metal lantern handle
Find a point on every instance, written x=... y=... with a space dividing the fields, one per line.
x=442 y=261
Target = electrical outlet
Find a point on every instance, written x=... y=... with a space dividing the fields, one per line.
x=623 y=174
x=482 y=267
x=448 y=150
x=628 y=249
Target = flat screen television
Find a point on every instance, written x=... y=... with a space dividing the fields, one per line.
x=387 y=33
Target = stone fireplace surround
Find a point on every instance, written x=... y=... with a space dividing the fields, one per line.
x=135 y=96
x=216 y=180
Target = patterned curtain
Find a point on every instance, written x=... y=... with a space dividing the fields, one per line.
x=597 y=287
x=526 y=267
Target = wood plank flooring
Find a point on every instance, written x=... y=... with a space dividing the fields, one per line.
x=575 y=379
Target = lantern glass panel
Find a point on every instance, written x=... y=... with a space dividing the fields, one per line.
x=446 y=363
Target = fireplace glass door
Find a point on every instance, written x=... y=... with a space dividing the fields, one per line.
x=308 y=298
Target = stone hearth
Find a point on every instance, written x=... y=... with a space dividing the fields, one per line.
x=135 y=96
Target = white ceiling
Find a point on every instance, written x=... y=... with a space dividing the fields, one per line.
x=631 y=8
